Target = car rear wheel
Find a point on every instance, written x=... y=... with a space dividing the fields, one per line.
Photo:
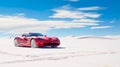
x=33 y=44
x=16 y=43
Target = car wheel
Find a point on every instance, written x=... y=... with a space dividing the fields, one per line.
x=33 y=44
x=54 y=46
x=16 y=43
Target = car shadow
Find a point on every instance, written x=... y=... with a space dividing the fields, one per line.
x=52 y=48
x=43 y=47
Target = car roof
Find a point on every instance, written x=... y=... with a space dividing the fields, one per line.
x=31 y=33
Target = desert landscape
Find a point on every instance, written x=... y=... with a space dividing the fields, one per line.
x=74 y=51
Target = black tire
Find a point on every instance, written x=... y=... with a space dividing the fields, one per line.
x=33 y=44
x=53 y=46
x=16 y=43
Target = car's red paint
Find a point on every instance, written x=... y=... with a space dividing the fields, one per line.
x=38 y=40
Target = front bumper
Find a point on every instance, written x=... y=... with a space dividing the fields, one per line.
x=51 y=44
x=41 y=43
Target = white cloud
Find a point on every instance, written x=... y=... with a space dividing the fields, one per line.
x=66 y=7
x=70 y=24
x=100 y=27
x=78 y=15
x=73 y=0
x=90 y=8
x=69 y=12
x=18 y=24
x=79 y=19
x=66 y=14
x=73 y=14
x=86 y=20
x=21 y=14
x=113 y=21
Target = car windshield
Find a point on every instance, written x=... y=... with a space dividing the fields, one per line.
x=35 y=34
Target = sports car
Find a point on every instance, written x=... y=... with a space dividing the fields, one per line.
x=35 y=40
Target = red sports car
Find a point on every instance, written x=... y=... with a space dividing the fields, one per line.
x=35 y=40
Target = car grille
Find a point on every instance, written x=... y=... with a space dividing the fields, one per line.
x=50 y=44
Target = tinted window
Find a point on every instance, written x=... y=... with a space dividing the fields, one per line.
x=35 y=34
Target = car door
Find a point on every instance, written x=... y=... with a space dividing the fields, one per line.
x=24 y=40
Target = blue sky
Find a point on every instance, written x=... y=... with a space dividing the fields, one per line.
x=60 y=17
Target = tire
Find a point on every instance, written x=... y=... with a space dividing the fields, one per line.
x=33 y=44
x=16 y=43
x=53 y=46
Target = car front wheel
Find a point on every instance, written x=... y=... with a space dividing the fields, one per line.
x=33 y=44
x=54 y=46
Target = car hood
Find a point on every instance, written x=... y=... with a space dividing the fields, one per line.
x=44 y=37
